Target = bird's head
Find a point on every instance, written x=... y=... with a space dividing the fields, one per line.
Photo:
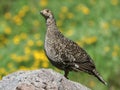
x=46 y=13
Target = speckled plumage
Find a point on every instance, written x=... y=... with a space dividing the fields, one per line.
x=63 y=52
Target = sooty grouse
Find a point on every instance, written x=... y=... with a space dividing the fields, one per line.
x=63 y=52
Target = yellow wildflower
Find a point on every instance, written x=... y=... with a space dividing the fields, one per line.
x=13 y=56
x=7 y=15
x=81 y=43
x=39 y=43
x=43 y=3
x=116 y=22
x=116 y=48
x=16 y=40
x=36 y=23
x=0 y=77
x=19 y=59
x=45 y=64
x=23 y=36
x=23 y=68
x=17 y=20
x=8 y=30
x=70 y=32
x=21 y=13
x=105 y=25
x=30 y=43
x=25 y=57
x=43 y=56
x=92 y=83
x=25 y=8
x=114 y=2
x=107 y=49
x=27 y=50
x=85 y=10
x=70 y=15
x=114 y=53
x=10 y=65
x=22 y=58
x=37 y=55
x=36 y=64
x=113 y=21
x=90 y=40
x=64 y=9
x=2 y=71
x=59 y=23
x=37 y=36
x=3 y=40
x=61 y=16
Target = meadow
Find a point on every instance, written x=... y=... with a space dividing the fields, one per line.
x=93 y=24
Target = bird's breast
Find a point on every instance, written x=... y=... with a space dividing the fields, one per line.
x=49 y=48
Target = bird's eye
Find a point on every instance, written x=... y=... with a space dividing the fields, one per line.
x=47 y=11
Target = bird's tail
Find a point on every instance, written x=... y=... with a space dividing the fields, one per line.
x=96 y=74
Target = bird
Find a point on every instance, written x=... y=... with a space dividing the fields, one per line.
x=64 y=53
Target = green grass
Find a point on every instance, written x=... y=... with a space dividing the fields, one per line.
x=93 y=24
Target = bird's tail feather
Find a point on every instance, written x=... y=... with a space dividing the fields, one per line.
x=96 y=74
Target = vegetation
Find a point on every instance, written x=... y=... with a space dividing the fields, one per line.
x=93 y=24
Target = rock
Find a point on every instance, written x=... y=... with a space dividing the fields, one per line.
x=25 y=86
x=43 y=79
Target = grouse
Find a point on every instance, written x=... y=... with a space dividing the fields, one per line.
x=63 y=53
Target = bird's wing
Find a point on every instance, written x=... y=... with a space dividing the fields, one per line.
x=71 y=53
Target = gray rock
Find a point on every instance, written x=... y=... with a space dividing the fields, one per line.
x=43 y=79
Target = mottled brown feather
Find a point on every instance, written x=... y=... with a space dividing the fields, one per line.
x=63 y=52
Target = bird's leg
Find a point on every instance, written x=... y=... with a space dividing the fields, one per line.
x=66 y=73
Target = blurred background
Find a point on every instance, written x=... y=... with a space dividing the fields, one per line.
x=93 y=24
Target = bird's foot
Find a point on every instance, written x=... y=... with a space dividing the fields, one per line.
x=66 y=74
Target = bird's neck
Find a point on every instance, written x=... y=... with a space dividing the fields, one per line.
x=52 y=29
x=51 y=24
